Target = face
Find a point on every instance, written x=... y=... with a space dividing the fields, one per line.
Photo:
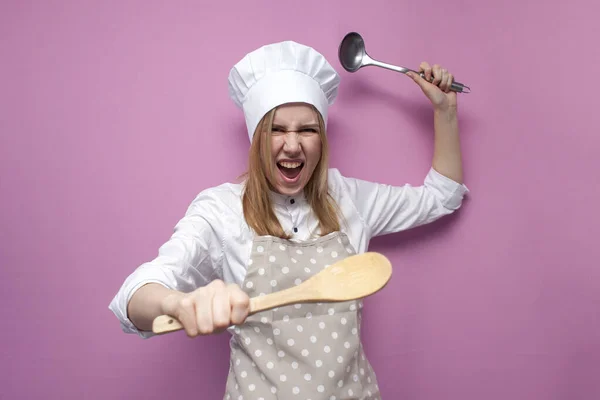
x=295 y=147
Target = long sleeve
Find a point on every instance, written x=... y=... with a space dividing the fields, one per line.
x=189 y=259
x=387 y=209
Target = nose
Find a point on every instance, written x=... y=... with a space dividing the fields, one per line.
x=292 y=143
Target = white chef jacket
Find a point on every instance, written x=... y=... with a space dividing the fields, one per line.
x=213 y=241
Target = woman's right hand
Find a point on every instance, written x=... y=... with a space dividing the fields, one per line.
x=208 y=309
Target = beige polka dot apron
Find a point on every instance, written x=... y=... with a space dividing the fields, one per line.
x=302 y=351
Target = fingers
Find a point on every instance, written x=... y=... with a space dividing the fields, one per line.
x=418 y=80
x=436 y=75
x=221 y=309
x=443 y=85
x=446 y=80
x=427 y=70
x=240 y=304
x=186 y=314
x=204 y=314
x=212 y=308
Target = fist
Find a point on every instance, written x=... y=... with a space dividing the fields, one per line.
x=208 y=309
x=436 y=85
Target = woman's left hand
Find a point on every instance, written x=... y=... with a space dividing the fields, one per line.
x=438 y=91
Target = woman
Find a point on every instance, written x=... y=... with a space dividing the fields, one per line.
x=292 y=217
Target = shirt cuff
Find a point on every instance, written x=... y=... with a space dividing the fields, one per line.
x=120 y=302
x=448 y=190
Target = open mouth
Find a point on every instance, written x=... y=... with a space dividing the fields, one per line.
x=290 y=169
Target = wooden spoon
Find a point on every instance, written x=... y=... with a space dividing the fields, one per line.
x=352 y=278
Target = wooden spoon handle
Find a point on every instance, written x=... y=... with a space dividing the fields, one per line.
x=297 y=294
x=165 y=324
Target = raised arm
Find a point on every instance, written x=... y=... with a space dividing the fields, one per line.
x=447 y=158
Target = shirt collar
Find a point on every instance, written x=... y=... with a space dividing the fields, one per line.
x=284 y=200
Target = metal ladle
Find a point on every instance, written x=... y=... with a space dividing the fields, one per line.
x=353 y=56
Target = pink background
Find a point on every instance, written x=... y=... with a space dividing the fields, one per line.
x=113 y=115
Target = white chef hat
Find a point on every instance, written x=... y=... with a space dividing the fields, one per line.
x=279 y=73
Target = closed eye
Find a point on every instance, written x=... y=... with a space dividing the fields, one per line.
x=307 y=129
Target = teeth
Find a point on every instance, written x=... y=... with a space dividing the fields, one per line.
x=287 y=164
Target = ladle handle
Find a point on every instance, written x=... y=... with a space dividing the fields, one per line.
x=455 y=87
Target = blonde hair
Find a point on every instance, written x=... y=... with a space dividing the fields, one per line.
x=256 y=200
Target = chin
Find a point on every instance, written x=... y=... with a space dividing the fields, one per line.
x=288 y=191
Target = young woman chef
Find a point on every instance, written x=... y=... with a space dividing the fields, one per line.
x=290 y=218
